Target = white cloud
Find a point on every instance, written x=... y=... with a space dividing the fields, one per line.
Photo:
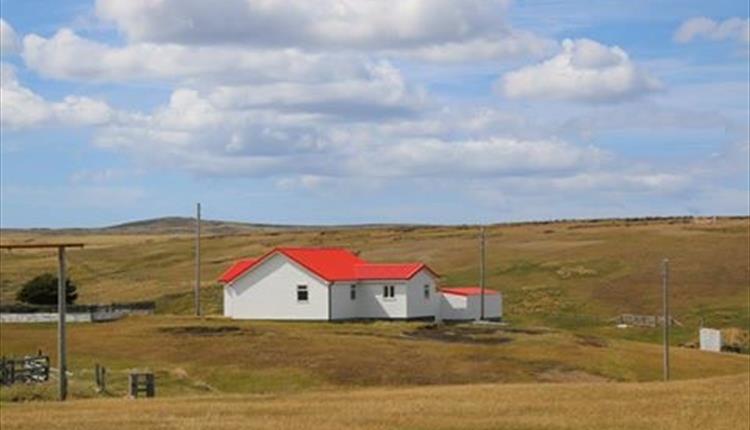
x=515 y=44
x=69 y=56
x=702 y=27
x=584 y=71
x=430 y=30
x=21 y=108
x=382 y=93
x=225 y=134
x=496 y=156
x=8 y=38
x=324 y=23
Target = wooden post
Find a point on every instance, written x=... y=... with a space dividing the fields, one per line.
x=665 y=311
x=150 y=386
x=101 y=378
x=61 y=308
x=481 y=272
x=133 y=384
x=198 y=260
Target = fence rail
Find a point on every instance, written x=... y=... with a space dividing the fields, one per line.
x=27 y=370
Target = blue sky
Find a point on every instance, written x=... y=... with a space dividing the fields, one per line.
x=429 y=111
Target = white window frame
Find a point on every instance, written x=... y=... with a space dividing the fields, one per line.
x=389 y=292
x=353 y=292
x=301 y=289
x=427 y=291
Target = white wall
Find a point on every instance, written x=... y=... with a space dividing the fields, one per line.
x=269 y=291
x=457 y=307
x=342 y=306
x=417 y=306
x=372 y=304
x=453 y=307
x=408 y=302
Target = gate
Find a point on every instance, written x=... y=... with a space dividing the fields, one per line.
x=27 y=370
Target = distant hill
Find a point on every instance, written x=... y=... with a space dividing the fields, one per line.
x=185 y=225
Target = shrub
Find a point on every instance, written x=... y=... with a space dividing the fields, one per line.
x=42 y=290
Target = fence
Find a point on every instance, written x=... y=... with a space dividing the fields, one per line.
x=29 y=369
x=141 y=383
x=645 y=320
x=23 y=313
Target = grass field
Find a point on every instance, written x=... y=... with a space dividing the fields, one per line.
x=566 y=275
x=558 y=363
x=707 y=404
x=218 y=356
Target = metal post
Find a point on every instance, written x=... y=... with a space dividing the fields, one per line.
x=198 y=261
x=481 y=271
x=61 y=305
x=665 y=311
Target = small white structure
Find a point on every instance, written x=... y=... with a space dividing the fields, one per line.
x=335 y=284
x=710 y=339
x=464 y=304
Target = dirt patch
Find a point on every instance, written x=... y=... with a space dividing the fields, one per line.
x=587 y=340
x=197 y=330
x=458 y=334
x=566 y=375
x=531 y=331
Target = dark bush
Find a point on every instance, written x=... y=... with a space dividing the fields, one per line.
x=42 y=290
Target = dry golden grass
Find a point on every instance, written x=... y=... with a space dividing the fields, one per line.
x=719 y=403
x=545 y=271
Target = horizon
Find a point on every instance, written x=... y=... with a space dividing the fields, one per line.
x=333 y=113
x=122 y=224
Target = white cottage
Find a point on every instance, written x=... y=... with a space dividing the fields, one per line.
x=332 y=284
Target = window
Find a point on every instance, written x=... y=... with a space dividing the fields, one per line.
x=353 y=292
x=301 y=293
x=427 y=292
x=389 y=291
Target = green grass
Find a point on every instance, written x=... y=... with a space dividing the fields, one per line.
x=219 y=356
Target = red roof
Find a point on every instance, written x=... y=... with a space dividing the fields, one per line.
x=237 y=269
x=331 y=264
x=467 y=291
x=389 y=271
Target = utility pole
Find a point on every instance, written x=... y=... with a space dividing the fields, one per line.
x=665 y=311
x=198 y=260
x=62 y=359
x=481 y=272
x=61 y=309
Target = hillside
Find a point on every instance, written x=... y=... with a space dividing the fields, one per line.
x=568 y=273
x=216 y=356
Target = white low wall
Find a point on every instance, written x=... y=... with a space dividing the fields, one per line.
x=43 y=317
x=99 y=315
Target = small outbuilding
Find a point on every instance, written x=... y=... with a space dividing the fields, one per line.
x=465 y=304
x=710 y=339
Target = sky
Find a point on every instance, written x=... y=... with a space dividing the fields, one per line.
x=372 y=111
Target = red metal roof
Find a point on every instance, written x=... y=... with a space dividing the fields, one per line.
x=467 y=291
x=388 y=271
x=331 y=264
x=237 y=269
